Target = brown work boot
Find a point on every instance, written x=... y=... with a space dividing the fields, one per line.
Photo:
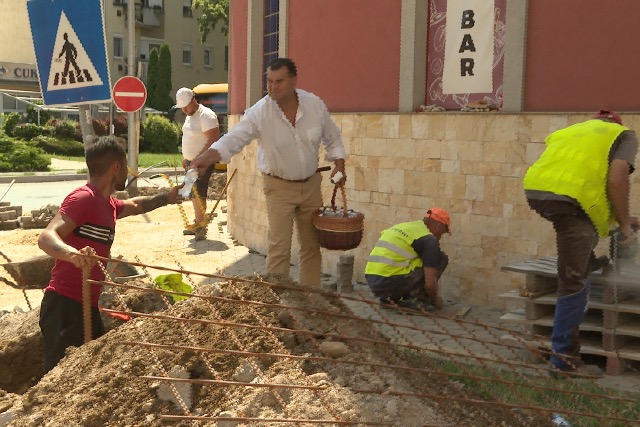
x=200 y=233
x=190 y=230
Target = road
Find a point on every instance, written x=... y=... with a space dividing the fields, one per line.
x=34 y=195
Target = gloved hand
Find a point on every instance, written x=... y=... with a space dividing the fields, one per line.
x=627 y=245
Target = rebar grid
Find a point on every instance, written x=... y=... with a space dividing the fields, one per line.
x=357 y=339
x=279 y=344
x=85 y=285
x=450 y=355
x=238 y=342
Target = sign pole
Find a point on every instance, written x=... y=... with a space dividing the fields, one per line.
x=132 y=118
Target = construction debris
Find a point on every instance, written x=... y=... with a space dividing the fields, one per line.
x=39 y=218
x=9 y=216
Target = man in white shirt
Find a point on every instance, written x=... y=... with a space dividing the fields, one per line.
x=199 y=131
x=289 y=124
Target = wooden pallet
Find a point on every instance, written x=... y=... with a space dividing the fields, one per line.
x=612 y=324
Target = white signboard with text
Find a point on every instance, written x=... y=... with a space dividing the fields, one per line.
x=468 y=57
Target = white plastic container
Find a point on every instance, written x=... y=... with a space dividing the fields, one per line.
x=189 y=179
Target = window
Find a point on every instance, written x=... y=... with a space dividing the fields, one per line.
x=118 y=46
x=226 y=57
x=186 y=54
x=208 y=57
x=186 y=8
x=270 y=36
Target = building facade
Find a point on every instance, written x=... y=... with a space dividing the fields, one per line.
x=545 y=65
x=157 y=21
x=394 y=55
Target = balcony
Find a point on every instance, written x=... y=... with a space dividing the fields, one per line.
x=150 y=13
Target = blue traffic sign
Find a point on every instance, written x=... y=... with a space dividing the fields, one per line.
x=71 y=51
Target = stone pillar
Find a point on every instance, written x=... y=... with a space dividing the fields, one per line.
x=345 y=273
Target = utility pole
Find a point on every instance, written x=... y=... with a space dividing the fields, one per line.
x=132 y=118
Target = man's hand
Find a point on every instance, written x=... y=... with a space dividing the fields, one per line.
x=339 y=167
x=174 y=197
x=184 y=164
x=76 y=257
x=204 y=160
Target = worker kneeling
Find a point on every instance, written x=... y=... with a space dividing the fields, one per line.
x=404 y=266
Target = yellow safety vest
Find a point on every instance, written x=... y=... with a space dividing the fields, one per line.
x=575 y=163
x=393 y=254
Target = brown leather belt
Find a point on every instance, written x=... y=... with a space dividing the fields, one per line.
x=288 y=180
x=324 y=168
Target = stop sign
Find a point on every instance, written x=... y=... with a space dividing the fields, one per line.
x=129 y=94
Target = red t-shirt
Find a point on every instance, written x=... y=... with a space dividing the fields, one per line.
x=95 y=218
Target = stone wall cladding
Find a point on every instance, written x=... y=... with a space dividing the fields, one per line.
x=400 y=165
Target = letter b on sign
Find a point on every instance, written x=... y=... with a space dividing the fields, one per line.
x=467 y=19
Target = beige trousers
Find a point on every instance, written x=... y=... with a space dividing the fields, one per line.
x=288 y=202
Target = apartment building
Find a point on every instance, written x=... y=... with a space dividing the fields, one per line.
x=157 y=21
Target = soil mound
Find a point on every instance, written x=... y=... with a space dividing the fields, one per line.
x=249 y=343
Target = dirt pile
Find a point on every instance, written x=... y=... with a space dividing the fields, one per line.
x=100 y=383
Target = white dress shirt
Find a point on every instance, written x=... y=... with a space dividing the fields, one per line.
x=284 y=150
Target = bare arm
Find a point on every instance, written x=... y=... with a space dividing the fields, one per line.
x=52 y=243
x=618 y=193
x=143 y=204
x=431 y=286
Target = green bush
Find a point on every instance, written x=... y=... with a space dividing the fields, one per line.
x=60 y=146
x=6 y=144
x=28 y=131
x=45 y=115
x=160 y=135
x=66 y=129
x=24 y=157
x=9 y=122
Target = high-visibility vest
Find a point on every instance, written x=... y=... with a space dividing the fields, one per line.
x=575 y=163
x=393 y=254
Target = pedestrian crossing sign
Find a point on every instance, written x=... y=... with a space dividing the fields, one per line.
x=71 y=52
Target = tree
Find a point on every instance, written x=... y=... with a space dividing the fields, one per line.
x=213 y=12
x=152 y=76
x=161 y=99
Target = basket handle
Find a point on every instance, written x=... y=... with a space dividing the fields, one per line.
x=344 y=199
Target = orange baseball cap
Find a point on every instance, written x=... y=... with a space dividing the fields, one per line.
x=441 y=216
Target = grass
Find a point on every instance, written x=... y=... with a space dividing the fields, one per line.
x=144 y=159
x=521 y=390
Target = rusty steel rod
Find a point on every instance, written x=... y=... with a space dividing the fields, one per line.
x=231 y=383
x=273 y=420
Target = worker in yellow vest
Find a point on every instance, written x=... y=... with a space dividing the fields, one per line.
x=580 y=184
x=404 y=266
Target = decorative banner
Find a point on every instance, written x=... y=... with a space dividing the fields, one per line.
x=71 y=51
x=468 y=56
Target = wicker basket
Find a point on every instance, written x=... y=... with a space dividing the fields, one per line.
x=338 y=233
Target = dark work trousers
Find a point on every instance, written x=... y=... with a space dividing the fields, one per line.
x=61 y=324
x=576 y=237
x=202 y=183
x=407 y=286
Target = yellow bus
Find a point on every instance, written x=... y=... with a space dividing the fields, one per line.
x=216 y=97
